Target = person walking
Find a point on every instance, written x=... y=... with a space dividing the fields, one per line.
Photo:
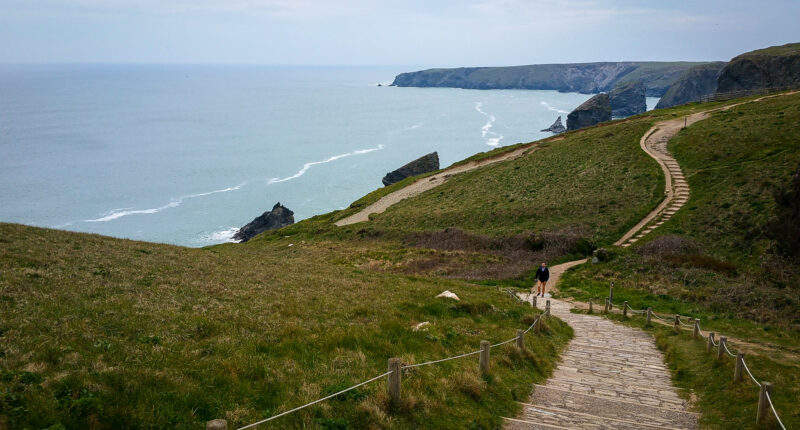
x=542 y=276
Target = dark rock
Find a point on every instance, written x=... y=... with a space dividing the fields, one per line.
x=424 y=164
x=380 y=85
x=593 y=111
x=557 y=127
x=774 y=67
x=696 y=83
x=278 y=217
x=628 y=99
x=584 y=78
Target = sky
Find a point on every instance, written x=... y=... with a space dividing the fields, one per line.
x=407 y=32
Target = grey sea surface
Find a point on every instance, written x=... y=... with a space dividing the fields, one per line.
x=185 y=154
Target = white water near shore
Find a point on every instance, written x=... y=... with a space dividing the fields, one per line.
x=185 y=154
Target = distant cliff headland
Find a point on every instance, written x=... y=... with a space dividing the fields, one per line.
x=584 y=78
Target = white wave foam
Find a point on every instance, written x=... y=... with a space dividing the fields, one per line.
x=551 y=108
x=221 y=236
x=123 y=212
x=308 y=166
x=486 y=130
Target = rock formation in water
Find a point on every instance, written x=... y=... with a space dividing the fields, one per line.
x=584 y=78
x=557 y=127
x=278 y=217
x=424 y=164
x=628 y=99
x=696 y=83
x=593 y=111
x=773 y=67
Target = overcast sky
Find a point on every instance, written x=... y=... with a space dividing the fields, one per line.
x=397 y=32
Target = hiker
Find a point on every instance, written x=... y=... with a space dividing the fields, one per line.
x=542 y=275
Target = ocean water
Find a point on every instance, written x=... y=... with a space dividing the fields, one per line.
x=186 y=154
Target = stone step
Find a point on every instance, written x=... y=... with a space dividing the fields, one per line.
x=656 y=396
x=609 y=408
x=555 y=417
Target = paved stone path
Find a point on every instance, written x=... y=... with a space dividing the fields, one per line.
x=610 y=376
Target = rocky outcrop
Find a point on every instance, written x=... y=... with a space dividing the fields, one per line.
x=424 y=164
x=628 y=99
x=557 y=127
x=584 y=78
x=696 y=83
x=278 y=217
x=774 y=67
x=593 y=111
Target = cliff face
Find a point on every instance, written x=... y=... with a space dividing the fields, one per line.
x=557 y=127
x=583 y=78
x=593 y=111
x=628 y=99
x=693 y=85
x=774 y=67
x=424 y=164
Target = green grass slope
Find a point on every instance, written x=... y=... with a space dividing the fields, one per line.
x=104 y=333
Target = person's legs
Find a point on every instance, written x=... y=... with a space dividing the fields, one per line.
x=544 y=287
x=539 y=289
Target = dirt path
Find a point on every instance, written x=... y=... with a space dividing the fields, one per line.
x=425 y=184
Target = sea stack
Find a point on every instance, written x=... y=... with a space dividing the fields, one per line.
x=278 y=217
x=557 y=127
x=593 y=111
x=424 y=164
x=628 y=99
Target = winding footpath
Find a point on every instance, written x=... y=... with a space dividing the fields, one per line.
x=613 y=376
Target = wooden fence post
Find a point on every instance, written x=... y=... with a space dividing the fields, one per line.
x=649 y=315
x=539 y=324
x=547 y=308
x=763 y=405
x=696 y=332
x=533 y=303
x=217 y=425
x=624 y=309
x=721 y=352
x=677 y=323
x=605 y=309
x=710 y=345
x=611 y=293
x=484 y=356
x=738 y=373
x=395 y=366
x=590 y=306
x=520 y=339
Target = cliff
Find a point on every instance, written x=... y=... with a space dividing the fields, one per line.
x=693 y=85
x=773 y=67
x=424 y=164
x=580 y=77
x=628 y=99
x=593 y=111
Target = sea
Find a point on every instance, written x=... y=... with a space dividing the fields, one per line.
x=186 y=154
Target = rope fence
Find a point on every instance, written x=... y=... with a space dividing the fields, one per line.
x=764 y=400
x=396 y=367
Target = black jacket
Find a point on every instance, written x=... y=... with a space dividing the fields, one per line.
x=542 y=274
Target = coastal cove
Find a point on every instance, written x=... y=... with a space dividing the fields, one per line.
x=186 y=154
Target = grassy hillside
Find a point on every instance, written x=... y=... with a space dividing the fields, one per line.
x=717 y=250
x=107 y=333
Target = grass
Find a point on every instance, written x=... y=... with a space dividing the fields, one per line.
x=708 y=382
x=107 y=333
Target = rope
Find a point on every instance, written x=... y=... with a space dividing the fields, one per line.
x=503 y=343
x=725 y=347
x=314 y=402
x=774 y=411
x=714 y=343
x=408 y=366
x=534 y=323
x=748 y=372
